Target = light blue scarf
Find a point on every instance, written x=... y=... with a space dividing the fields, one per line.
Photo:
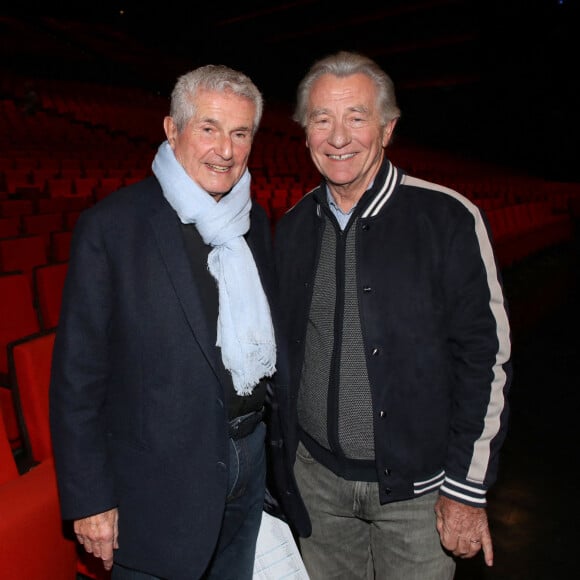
x=244 y=327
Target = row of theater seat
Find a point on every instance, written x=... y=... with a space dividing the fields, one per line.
x=22 y=205
x=24 y=252
x=28 y=495
x=523 y=229
x=33 y=543
x=42 y=192
x=26 y=307
x=87 y=187
x=48 y=226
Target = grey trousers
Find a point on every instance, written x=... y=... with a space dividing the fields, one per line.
x=355 y=537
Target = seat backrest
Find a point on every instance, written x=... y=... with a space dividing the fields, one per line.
x=60 y=245
x=107 y=185
x=42 y=224
x=18 y=317
x=80 y=202
x=60 y=186
x=52 y=205
x=16 y=207
x=15 y=179
x=30 y=361
x=85 y=186
x=10 y=226
x=8 y=469
x=23 y=253
x=70 y=219
x=47 y=290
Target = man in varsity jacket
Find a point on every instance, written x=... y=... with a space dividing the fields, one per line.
x=399 y=343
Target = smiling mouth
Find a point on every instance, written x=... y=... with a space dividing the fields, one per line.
x=341 y=157
x=218 y=168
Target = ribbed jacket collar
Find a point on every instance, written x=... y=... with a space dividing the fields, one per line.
x=375 y=198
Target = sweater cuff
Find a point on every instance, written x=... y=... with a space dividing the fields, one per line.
x=464 y=492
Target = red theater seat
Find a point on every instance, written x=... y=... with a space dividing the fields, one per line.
x=18 y=318
x=33 y=544
x=48 y=285
x=29 y=360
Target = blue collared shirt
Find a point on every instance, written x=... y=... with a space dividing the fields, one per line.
x=341 y=217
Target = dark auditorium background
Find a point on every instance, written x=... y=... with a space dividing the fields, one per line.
x=489 y=92
x=499 y=77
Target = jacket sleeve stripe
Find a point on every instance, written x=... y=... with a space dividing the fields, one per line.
x=492 y=421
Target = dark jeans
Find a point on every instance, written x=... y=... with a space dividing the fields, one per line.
x=233 y=558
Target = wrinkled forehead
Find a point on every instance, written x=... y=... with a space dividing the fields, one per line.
x=332 y=94
x=224 y=108
x=330 y=89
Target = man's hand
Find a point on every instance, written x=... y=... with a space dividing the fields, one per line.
x=463 y=529
x=98 y=535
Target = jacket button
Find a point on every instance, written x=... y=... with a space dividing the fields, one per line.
x=388 y=491
x=365 y=227
x=382 y=414
x=367 y=288
x=387 y=471
x=375 y=351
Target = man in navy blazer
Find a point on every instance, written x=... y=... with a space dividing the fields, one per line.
x=164 y=348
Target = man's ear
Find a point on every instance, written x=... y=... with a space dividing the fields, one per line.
x=170 y=131
x=388 y=131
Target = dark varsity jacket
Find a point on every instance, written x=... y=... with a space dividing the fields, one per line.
x=435 y=330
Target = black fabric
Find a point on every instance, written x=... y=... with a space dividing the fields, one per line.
x=198 y=251
x=244 y=425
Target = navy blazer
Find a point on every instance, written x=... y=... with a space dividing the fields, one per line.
x=138 y=411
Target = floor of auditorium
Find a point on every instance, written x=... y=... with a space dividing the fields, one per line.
x=535 y=503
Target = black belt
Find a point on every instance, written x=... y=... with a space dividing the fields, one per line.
x=244 y=425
